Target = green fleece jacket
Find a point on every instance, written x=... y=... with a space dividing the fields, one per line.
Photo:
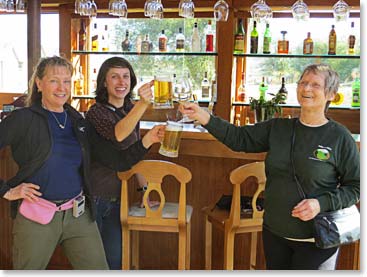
x=326 y=161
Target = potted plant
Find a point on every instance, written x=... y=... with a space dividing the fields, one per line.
x=266 y=109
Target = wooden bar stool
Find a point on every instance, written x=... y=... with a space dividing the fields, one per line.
x=232 y=222
x=167 y=217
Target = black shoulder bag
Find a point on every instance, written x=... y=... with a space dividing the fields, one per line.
x=334 y=228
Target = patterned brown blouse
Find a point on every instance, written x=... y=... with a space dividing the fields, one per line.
x=104 y=117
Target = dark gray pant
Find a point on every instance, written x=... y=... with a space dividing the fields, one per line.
x=34 y=243
x=284 y=254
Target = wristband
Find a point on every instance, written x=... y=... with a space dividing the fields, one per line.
x=143 y=189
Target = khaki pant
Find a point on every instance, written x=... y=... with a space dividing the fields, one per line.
x=34 y=244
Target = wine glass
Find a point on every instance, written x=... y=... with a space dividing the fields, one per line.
x=341 y=11
x=10 y=6
x=92 y=9
x=20 y=6
x=186 y=8
x=183 y=93
x=221 y=10
x=157 y=10
x=148 y=7
x=260 y=11
x=300 y=11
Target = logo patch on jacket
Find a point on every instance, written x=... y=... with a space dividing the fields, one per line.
x=322 y=153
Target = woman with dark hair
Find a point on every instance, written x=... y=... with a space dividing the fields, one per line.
x=51 y=143
x=116 y=118
x=330 y=181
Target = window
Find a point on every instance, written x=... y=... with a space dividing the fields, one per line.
x=13 y=46
x=277 y=67
x=145 y=66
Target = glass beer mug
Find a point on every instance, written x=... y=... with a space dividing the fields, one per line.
x=163 y=91
x=172 y=138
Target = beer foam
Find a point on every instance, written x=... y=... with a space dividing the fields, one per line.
x=164 y=78
x=174 y=126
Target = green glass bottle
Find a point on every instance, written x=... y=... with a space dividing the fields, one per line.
x=254 y=40
x=356 y=93
x=263 y=88
x=239 y=38
x=267 y=40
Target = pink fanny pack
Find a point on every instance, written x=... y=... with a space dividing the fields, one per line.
x=42 y=211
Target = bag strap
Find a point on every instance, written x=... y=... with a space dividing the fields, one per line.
x=299 y=186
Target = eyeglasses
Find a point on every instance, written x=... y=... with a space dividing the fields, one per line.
x=314 y=86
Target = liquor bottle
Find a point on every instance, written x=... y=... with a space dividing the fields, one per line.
x=239 y=38
x=82 y=37
x=205 y=86
x=94 y=80
x=126 y=43
x=79 y=82
x=332 y=41
x=263 y=88
x=138 y=44
x=356 y=93
x=241 y=90
x=146 y=44
x=195 y=39
x=283 y=92
x=162 y=42
x=308 y=44
x=180 y=41
x=95 y=46
x=105 y=40
x=254 y=40
x=209 y=37
x=214 y=88
x=351 y=40
x=267 y=40
x=283 y=44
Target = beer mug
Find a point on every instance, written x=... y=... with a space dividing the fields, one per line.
x=163 y=92
x=172 y=139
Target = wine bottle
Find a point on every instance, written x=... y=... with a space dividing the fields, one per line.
x=82 y=36
x=126 y=43
x=105 y=39
x=283 y=44
x=356 y=92
x=263 y=88
x=308 y=44
x=195 y=39
x=95 y=46
x=205 y=86
x=254 y=39
x=209 y=37
x=351 y=40
x=162 y=42
x=146 y=44
x=79 y=82
x=332 y=41
x=267 y=40
x=241 y=90
x=239 y=38
x=180 y=41
x=283 y=92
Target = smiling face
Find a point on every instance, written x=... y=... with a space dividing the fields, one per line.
x=55 y=87
x=118 y=85
x=311 y=92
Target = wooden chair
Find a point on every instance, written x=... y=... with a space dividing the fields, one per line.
x=232 y=222
x=167 y=217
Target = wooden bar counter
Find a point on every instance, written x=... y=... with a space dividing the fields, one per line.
x=210 y=163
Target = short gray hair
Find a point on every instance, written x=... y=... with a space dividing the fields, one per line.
x=331 y=76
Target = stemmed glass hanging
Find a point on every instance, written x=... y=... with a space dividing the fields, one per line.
x=221 y=10
x=118 y=8
x=300 y=11
x=86 y=7
x=153 y=9
x=186 y=9
x=341 y=11
x=260 y=11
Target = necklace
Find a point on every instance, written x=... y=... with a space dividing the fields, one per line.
x=62 y=126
